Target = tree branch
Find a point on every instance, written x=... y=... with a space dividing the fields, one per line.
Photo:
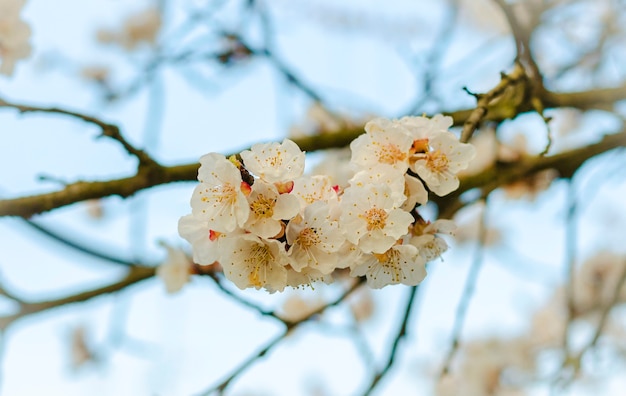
x=221 y=387
x=467 y=294
x=394 y=347
x=147 y=177
x=507 y=96
x=135 y=275
x=63 y=240
x=108 y=130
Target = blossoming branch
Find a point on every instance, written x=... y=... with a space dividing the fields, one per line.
x=270 y=226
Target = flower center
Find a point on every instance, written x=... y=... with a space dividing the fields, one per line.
x=376 y=219
x=308 y=237
x=259 y=259
x=420 y=146
x=275 y=160
x=224 y=194
x=263 y=206
x=390 y=154
x=390 y=264
x=437 y=161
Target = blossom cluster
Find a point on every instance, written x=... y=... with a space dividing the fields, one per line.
x=270 y=226
x=14 y=35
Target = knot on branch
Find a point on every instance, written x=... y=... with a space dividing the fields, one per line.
x=513 y=95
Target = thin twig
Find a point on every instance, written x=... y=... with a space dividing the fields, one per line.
x=570 y=261
x=291 y=77
x=441 y=43
x=604 y=314
x=108 y=130
x=402 y=332
x=218 y=282
x=522 y=38
x=221 y=387
x=135 y=275
x=507 y=96
x=467 y=294
x=66 y=241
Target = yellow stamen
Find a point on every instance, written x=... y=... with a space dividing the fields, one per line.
x=376 y=219
x=263 y=206
x=390 y=154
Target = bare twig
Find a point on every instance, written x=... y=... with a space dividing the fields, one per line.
x=135 y=275
x=522 y=36
x=441 y=44
x=108 y=130
x=221 y=387
x=606 y=310
x=507 y=96
x=402 y=332
x=218 y=282
x=66 y=241
x=570 y=261
x=467 y=294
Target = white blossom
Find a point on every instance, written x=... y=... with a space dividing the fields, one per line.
x=14 y=35
x=204 y=241
x=399 y=264
x=268 y=208
x=371 y=218
x=349 y=254
x=175 y=271
x=388 y=146
x=250 y=261
x=425 y=237
x=311 y=189
x=314 y=239
x=275 y=162
x=444 y=158
x=335 y=164
x=384 y=125
x=306 y=277
x=415 y=193
x=425 y=128
x=382 y=174
x=219 y=198
x=279 y=228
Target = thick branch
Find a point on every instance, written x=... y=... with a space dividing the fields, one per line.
x=147 y=177
x=601 y=99
x=502 y=174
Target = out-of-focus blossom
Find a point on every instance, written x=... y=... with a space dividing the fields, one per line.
x=80 y=352
x=176 y=270
x=140 y=28
x=14 y=35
